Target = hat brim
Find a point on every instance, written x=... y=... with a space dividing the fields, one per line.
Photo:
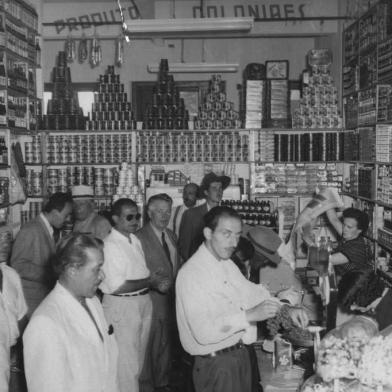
x=263 y=251
x=224 y=180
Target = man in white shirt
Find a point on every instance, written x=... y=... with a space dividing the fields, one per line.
x=189 y=196
x=126 y=302
x=13 y=310
x=217 y=308
x=35 y=245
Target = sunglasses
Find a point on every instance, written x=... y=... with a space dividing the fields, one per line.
x=133 y=216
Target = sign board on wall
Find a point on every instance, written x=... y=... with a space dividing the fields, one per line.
x=87 y=13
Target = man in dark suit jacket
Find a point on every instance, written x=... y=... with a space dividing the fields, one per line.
x=192 y=223
x=161 y=254
x=33 y=247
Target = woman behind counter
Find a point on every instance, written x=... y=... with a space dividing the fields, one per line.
x=352 y=251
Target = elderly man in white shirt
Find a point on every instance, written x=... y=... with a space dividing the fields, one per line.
x=126 y=302
x=217 y=308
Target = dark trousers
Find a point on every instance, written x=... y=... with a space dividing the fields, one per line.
x=227 y=372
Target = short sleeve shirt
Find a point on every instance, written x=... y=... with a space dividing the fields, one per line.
x=124 y=260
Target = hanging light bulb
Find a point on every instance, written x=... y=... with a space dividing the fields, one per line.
x=119 y=51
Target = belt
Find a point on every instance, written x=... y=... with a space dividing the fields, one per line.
x=141 y=292
x=237 y=346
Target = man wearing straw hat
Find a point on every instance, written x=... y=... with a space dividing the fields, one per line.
x=87 y=221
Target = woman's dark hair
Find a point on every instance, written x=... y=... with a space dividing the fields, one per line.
x=211 y=219
x=361 y=218
x=71 y=251
x=359 y=287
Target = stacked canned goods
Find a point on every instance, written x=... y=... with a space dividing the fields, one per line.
x=167 y=109
x=34 y=183
x=111 y=110
x=97 y=148
x=33 y=150
x=217 y=112
x=63 y=179
x=3 y=150
x=4 y=190
x=192 y=146
x=35 y=208
x=127 y=185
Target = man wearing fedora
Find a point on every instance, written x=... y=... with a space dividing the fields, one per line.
x=87 y=220
x=192 y=223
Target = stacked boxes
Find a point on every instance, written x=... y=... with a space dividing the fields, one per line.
x=367 y=100
x=366 y=179
x=319 y=104
x=350 y=146
x=384 y=143
x=63 y=109
x=167 y=110
x=255 y=103
x=384 y=103
x=216 y=112
x=264 y=145
x=111 y=110
x=278 y=108
x=350 y=104
x=367 y=144
x=192 y=146
x=384 y=184
x=295 y=178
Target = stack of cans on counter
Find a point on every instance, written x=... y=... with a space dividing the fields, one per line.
x=34 y=183
x=278 y=105
x=98 y=148
x=167 y=110
x=216 y=112
x=111 y=110
x=33 y=150
x=319 y=103
x=192 y=146
x=63 y=179
x=63 y=111
x=127 y=185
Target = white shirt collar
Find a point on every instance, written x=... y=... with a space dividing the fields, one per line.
x=47 y=224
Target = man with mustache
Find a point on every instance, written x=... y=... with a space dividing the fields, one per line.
x=68 y=345
x=217 y=308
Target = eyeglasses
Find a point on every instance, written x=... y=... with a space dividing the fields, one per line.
x=133 y=216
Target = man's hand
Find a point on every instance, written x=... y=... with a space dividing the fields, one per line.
x=298 y=316
x=160 y=281
x=263 y=311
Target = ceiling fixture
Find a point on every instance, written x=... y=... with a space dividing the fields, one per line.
x=186 y=25
x=195 y=67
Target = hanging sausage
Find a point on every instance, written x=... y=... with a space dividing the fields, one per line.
x=82 y=50
x=119 y=60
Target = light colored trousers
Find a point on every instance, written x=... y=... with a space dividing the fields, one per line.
x=131 y=321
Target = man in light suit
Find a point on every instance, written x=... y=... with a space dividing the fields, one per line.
x=68 y=345
x=33 y=247
x=160 y=250
x=192 y=223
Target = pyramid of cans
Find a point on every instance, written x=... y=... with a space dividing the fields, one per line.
x=319 y=103
x=63 y=111
x=167 y=110
x=33 y=150
x=63 y=179
x=111 y=110
x=127 y=186
x=217 y=112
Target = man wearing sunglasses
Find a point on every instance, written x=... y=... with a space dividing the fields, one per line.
x=126 y=286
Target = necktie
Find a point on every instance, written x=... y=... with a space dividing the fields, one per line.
x=165 y=247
